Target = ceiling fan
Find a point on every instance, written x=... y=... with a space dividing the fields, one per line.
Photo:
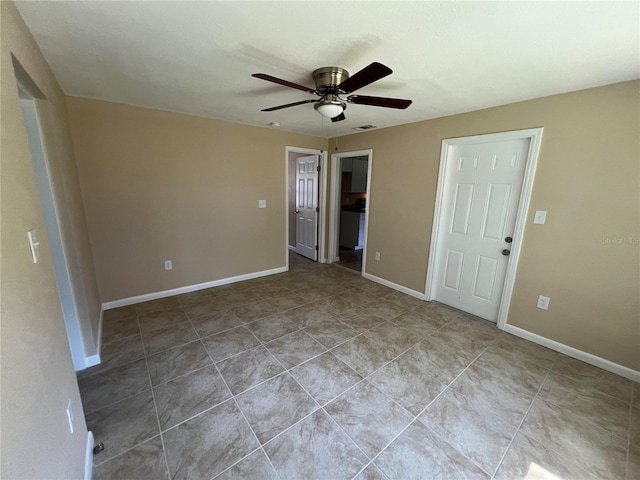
x=331 y=82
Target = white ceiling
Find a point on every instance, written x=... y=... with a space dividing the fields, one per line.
x=448 y=57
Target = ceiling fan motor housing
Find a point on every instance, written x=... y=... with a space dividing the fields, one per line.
x=327 y=79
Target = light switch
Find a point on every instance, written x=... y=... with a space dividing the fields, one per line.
x=540 y=217
x=35 y=245
x=262 y=204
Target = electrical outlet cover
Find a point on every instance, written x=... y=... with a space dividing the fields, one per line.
x=543 y=302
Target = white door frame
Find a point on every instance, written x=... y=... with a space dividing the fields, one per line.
x=334 y=207
x=50 y=213
x=322 y=181
x=535 y=137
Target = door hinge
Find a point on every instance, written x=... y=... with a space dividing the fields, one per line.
x=317 y=209
x=316 y=247
x=318 y=168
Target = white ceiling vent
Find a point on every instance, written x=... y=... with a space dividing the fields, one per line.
x=365 y=127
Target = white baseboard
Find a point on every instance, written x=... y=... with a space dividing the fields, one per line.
x=395 y=286
x=92 y=360
x=293 y=248
x=575 y=353
x=123 y=302
x=88 y=458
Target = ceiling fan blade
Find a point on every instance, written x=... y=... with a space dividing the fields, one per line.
x=364 y=77
x=269 y=78
x=379 y=101
x=289 y=105
x=339 y=118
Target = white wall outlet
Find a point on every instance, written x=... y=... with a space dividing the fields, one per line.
x=543 y=302
x=70 y=416
x=168 y=265
x=262 y=204
x=377 y=256
x=540 y=217
x=34 y=244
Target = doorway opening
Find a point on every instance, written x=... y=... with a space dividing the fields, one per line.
x=482 y=200
x=306 y=194
x=350 y=181
x=31 y=120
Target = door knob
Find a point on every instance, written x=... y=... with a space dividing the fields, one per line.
x=508 y=239
x=297 y=211
x=506 y=252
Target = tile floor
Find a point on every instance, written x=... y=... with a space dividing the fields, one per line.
x=351 y=259
x=319 y=374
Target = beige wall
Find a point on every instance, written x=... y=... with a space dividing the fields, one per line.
x=160 y=185
x=588 y=179
x=37 y=372
x=165 y=186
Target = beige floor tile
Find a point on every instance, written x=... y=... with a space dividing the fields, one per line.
x=189 y=395
x=144 y=462
x=256 y=465
x=123 y=425
x=275 y=405
x=470 y=426
x=249 y=368
x=206 y=445
x=295 y=348
x=418 y=453
x=315 y=448
x=571 y=436
x=594 y=377
x=319 y=373
x=325 y=377
x=369 y=417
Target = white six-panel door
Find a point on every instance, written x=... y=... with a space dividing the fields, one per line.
x=306 y=205
x=481 y=193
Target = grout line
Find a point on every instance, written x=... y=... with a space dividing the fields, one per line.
x=633 y=393
x=117 y=401
x=524 y=417
x=259 y=448
x=368 y=457
x=81 y=376
x=320 y=406
x=417 y=417
x=155 y=406
x=127 y=451
x=233 y=397
x=197 y=414
x=375 y=467
x=296 y=272
x=180 y=307
x=287 y=370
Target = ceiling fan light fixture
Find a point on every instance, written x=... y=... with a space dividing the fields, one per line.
x=330 y=108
